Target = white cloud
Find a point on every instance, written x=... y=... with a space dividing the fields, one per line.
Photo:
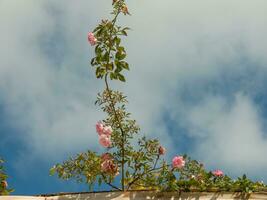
x=51 y=102
x=231 y=135
x=172 y=44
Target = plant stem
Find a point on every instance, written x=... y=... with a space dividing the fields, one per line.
x=140 y=176
x=113 y=106
x=122 y=133
x=155 y=164
x=111 y=185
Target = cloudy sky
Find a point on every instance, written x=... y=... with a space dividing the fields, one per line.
x=198 y=82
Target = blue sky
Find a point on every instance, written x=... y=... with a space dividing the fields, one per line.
x=197 y=83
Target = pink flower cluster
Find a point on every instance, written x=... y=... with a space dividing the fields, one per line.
x=217 y=173
x=92 y=39
x=178 y=162
x=108 y=165
x=104 y=133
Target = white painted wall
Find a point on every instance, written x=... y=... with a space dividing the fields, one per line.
x=144 y=195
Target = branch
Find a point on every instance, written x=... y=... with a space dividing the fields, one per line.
x=155 y=164
x=140 y=176
x=111 y=185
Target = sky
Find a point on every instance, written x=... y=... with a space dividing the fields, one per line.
x=198 y=83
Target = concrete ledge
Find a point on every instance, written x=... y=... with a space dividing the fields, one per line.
x=144 y=195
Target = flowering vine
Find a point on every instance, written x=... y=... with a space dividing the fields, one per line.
x=141 y=165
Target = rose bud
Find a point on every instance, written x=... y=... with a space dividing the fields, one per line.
x=162 y=150
x=125 y=10
x=4 y=184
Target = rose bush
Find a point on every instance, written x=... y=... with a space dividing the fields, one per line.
x=4 y=190
x=141 y=165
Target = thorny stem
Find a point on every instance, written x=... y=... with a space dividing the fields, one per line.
x=114 y=110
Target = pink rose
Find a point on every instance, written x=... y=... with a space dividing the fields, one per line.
x=105 y=141
x=108 y=166
x=4 y=184
x=217 y=173
x=162 y=150
x=91 y=38
x=107 y=130
x=106 y=156
x=178 y=162
x=105 y=166
x=99 y=128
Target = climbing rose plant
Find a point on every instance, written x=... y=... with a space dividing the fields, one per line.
x=4 y=190
x=141 y=165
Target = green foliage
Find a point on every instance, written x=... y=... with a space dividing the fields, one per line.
x=138 y=162
x=194 y=177
x=110 y=54
x=3 y=180
x=85 y=167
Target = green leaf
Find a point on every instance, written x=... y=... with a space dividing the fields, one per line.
x=100 y=72
x=106 y=57
x=113 y=76
x=123 y=32
x=110 y=66
x=52 y=171
x=117 y=41
x=93 y=62
x=125 y=65
x=121 y=77
x=120 y=55
x=127 y=174
x=98 y=50
x=121 y=49
x=126 y=29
